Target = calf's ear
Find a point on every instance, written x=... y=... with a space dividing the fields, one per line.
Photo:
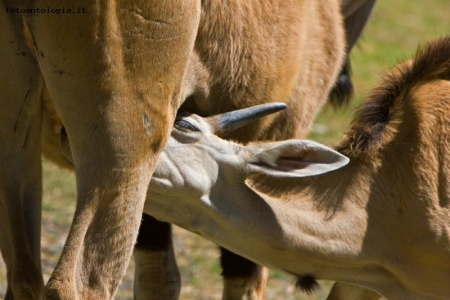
x=293 y=159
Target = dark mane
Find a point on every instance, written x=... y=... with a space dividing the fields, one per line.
x=374 y=122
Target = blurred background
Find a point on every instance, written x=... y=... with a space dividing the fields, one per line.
x=393 y=33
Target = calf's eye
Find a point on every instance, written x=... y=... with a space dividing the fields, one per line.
x=186 y=126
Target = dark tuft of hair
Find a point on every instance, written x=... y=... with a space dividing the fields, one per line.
x=342 y=92
x=307 y=284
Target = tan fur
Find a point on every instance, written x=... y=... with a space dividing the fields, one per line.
x=342 y=291
x=116 y=93
x=247 y=62
x=106 y=77
x=288 y=51
x=380 y=222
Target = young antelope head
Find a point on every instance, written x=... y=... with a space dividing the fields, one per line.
x=197 y=163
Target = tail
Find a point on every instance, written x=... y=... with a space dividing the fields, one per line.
x=308 y=284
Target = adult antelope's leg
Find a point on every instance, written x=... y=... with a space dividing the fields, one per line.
x=243 y=279
x=115 y=74
x=356 y=14
x=20 y=162
x=156 y=272
x=344 y=291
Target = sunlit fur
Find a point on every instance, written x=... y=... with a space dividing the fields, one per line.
x=288 y=51
x=285 y=51
x=379 y=222
x=253 y=52
x=114 y=77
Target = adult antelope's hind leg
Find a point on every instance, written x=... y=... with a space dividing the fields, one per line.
x=156 y=272
x=243 y=279
x=344 y=291
x=20 y=162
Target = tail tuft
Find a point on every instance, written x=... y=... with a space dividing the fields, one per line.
x=308 y=284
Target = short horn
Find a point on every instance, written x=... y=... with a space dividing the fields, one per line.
x=225 y=123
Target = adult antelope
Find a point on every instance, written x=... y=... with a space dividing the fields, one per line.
x=114 y=76
x=373 y=213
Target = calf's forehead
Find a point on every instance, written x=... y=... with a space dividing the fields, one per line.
x=200 y=142
x=184 y=169
x=197 y=154
x=185 y=157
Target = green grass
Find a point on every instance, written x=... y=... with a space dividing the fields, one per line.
x=393 y=33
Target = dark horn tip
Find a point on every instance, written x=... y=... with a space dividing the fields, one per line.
x=232 y=120
x=277 y=106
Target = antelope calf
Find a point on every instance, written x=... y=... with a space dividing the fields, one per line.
x=374 y=213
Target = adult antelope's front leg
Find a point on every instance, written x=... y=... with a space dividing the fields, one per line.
x=115 y=74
